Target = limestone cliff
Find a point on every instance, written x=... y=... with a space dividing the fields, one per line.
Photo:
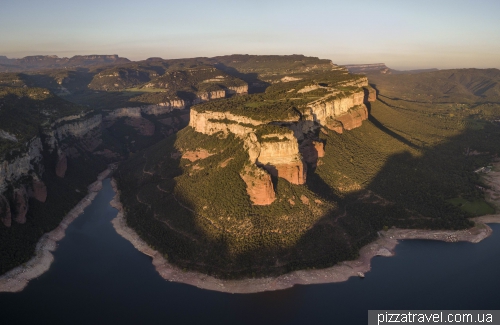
x=279 y=155
x=212 y=122
x=273 y=145
x=78 y=128
x=13 y=169
x=332 y=106
x=240 y=90
x=176 y=104
x=22 y=169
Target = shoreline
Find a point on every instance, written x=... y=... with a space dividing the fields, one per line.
x=383 y=246
x=18 y=278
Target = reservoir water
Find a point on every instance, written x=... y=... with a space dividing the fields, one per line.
x=100 y=278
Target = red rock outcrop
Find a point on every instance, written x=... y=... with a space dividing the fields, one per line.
x=294 y=172
x=354 y=117
x=351 y=120
x=5 y=214
x=320 y=148
x=21 y=205
x=39 y=190
x=62 y=165
x=259 y=185
x=370 y=94
x=334 y=125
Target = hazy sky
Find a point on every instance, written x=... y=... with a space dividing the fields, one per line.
x=403 y=34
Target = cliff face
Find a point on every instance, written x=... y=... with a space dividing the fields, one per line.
x=339 y=111
x=259 y=185
x=353 y=118
x=281 y=158
x=206 y=96
x=23 y=164
x=175 y=104
x=213 y=122
x=277 y=153
x=78 y=128
x=240 y=90
x=23 y=169
x=333 y=106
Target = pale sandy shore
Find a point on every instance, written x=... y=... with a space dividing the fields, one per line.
x=383 y=246
x=17 y=279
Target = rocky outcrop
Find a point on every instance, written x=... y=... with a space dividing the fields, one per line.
x=206 y=96
x=25 y=166
x=370 y=94
x=333 y=105
x=5 y=214
x=209 y=122
x=281 y=157
x=353 y=118
x=175 y=104
x=7 y=136
x=239 y=90
x=22 y=164
x=294 y=171
x=259 y=185
x=20 y=205
x=212 y=122
x=62 y=165
x=278 y=154
x=39 y=190
x=78 y=128
x=334 y=125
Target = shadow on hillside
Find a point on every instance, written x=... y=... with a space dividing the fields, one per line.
x=408 y=191
x=255 y=85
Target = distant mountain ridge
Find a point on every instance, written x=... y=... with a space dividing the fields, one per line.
x=37 y=62
x=380 y=68
x=457 y=85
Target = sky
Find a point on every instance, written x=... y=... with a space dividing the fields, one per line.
x=402 y=34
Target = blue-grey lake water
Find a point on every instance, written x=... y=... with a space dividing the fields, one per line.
x=100 y=278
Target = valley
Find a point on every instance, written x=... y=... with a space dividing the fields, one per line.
x=246 y=166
